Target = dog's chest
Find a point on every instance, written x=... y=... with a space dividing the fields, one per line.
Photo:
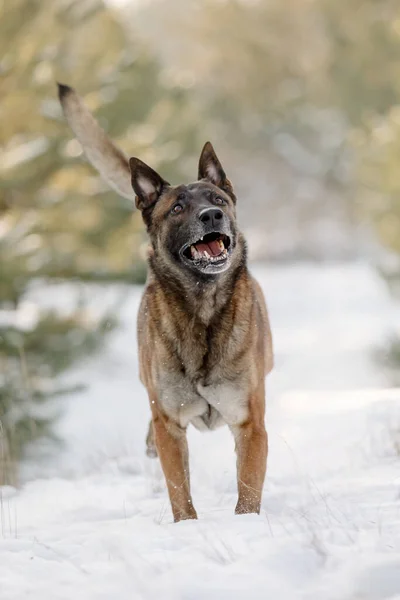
x=201 y=381
x=206 y=406
x=228 y=399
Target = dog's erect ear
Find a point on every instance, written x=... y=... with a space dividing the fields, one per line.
x=147 y=184
x=211 y=169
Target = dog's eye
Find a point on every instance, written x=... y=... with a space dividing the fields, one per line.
x=177 y=209
x=220 y=201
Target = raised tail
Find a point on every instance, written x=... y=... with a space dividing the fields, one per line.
x=110 y=162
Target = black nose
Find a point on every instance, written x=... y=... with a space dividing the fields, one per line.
x=211 y=216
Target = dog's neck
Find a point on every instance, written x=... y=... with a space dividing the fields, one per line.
x=211 y=297
x=204 y=298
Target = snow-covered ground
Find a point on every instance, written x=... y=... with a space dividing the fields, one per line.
x=95 y=523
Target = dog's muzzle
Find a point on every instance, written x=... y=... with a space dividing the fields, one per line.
x=210 y=253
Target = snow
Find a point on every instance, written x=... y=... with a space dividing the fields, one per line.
x=94 y=522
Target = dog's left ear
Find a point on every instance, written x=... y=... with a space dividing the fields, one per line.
x=211 y=169
x=147 y=184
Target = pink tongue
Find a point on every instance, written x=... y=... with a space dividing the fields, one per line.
x=212 y=248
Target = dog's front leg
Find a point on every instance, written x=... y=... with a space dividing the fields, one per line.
x=172 y=449
x=252 y=449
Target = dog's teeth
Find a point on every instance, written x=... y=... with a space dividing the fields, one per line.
x=221 y=244
x=193 y=251
x=206 y=254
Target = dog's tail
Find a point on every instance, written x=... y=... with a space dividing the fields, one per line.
x=110 y=162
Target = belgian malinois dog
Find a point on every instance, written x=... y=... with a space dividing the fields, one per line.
x=204 y=337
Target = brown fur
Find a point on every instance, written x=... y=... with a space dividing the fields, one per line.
x=204 y=339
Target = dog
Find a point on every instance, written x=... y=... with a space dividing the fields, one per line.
x=205 y=344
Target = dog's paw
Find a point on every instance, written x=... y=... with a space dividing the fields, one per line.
x=151 y=452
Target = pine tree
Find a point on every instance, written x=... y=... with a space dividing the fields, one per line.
x=58 y=221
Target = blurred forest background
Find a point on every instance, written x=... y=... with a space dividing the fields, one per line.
x=301 y=99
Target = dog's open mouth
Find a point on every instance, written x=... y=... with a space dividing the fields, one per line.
x=212 y=248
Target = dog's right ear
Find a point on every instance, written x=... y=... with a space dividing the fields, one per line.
x=210 y=169
x=147 y=184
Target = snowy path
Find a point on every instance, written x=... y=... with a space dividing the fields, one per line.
x=99 y=527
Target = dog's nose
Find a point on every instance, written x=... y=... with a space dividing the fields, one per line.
x=211 y=216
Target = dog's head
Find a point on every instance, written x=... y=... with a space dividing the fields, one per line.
x=192 y=226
